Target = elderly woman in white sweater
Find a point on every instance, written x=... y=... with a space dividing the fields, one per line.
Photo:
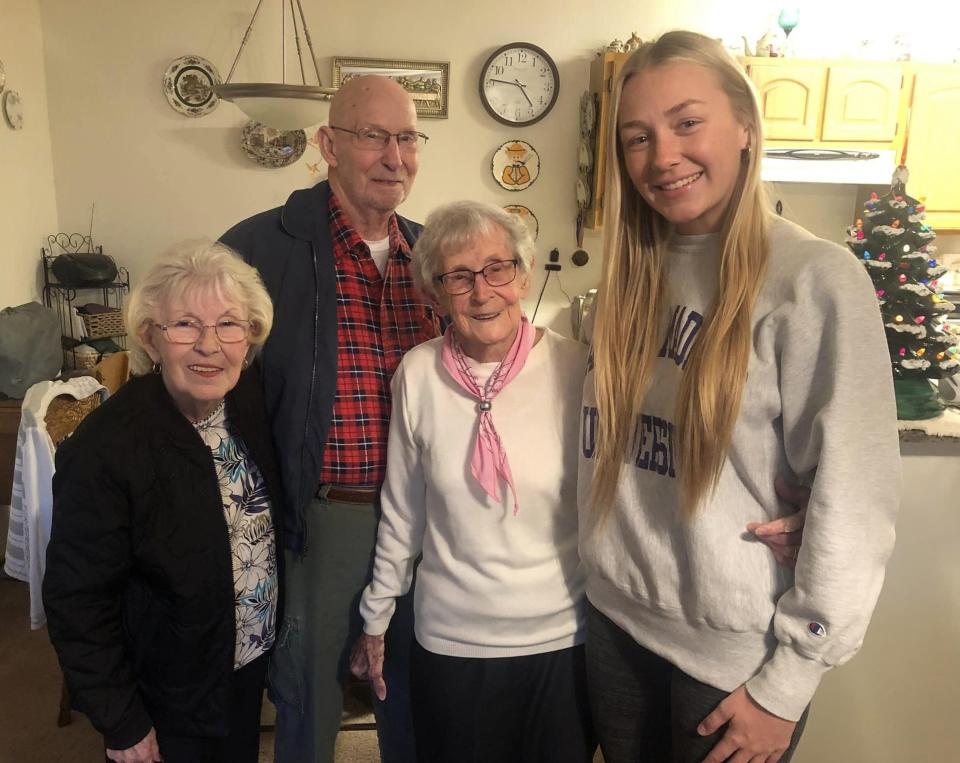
x=481 y=480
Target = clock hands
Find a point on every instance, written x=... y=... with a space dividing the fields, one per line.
x=523 y=89
x=518 y=83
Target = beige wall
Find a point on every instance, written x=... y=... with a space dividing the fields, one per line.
x=156 y=176
x=28 y=210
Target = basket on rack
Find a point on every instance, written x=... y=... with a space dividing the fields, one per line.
x=101 y=325
x=80 y=357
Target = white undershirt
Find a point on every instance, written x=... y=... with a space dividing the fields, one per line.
x=380 y=251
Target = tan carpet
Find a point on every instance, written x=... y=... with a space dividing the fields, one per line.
x=30 y=696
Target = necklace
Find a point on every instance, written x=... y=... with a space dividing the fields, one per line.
x=200 y=423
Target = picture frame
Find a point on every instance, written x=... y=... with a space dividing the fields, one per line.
x=428 y=82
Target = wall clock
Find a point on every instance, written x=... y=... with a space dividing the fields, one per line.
x=519 y=84
x=515 y=165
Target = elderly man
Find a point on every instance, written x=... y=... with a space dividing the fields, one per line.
x=335 y=259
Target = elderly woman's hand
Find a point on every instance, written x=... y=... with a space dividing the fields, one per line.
x=366 y=662
x=145 y=751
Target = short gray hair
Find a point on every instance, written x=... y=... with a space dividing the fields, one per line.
x=186 y=268
x=453 y=227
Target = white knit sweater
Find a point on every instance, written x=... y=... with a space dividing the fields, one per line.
x=491 y=583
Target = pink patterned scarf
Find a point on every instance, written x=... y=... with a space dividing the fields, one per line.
x=489 y=459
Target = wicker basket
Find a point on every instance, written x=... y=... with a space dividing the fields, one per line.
x=81 y=358
x=103 y=325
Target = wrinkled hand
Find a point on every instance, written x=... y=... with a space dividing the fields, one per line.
x=753 y=735
x=366 y=662
x=784 y=535
x=145 y=751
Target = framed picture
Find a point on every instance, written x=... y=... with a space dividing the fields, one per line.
x=428 y=82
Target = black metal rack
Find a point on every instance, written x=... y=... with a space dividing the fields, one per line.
x=63 y=299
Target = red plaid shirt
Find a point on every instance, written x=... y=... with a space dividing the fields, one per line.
x=378 y=319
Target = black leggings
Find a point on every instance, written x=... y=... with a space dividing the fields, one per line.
x=644 y=708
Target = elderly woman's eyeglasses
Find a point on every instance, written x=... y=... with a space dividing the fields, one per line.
x=186 y=331
x=496 y=273
x=375 y=139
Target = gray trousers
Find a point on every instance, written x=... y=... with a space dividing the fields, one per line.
x=321 y=623
x=644 y=709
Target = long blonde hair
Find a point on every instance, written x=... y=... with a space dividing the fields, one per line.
x=631 y=307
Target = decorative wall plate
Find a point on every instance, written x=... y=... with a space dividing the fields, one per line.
x=527 y=218
x=13 y=109
x=515 y=165
x=584 y=157
x=588 y=114
x=187 y=84
x=270 y=147
x=583 y=193
x=3 y=76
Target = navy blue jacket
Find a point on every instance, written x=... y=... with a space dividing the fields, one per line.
x=292 y=249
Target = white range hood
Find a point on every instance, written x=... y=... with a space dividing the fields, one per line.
x=807 y=169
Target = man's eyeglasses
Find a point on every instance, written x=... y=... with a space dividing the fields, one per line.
x=496 y=273
x=375 y=139
x=187 y=331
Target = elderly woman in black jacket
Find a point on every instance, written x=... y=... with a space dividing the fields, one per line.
x=161 y=585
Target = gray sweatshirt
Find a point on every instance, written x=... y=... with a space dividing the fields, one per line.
x=818 y=407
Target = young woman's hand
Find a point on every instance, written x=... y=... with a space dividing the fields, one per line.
x=753 y=735
x=366 y=662
x=145 y=751
x=783 y=536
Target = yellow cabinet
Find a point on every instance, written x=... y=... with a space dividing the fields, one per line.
x=933 y=149
x=790 y=99
x=862 y=103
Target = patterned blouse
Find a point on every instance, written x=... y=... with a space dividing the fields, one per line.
x=246 y=507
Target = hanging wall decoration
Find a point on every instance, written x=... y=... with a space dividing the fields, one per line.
x=188 y=86
x=13 y=109
x=270 y=147
x=515 y=165
x=3 y=76
x=526 y=217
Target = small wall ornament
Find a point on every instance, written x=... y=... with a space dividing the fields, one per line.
x=515 y=165
x=13 y=109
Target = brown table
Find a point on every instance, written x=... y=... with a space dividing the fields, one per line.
x=9 y=424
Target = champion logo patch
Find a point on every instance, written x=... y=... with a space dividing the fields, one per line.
x=817 y=629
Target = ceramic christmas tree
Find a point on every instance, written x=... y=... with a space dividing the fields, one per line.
x=896 y=247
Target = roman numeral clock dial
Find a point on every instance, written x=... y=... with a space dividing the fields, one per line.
x=519 y=84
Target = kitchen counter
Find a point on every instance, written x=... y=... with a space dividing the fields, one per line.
x=942 y=428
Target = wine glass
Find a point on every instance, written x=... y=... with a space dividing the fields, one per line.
x=788 y=19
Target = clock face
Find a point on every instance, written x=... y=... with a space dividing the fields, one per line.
x=519 y=84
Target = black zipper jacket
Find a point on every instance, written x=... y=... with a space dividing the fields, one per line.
x=138 y=589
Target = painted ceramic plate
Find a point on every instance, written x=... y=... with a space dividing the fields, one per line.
x=13 y=109
x=515 y=165
x=527 y=217
x=187 y=84
x=270 y=147
x=588 y=114
x=584 y=157
x=583 y=193
x=3 y=76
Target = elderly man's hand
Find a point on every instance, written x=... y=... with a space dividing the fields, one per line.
x=785 y=535
x=366 y=662
x=145 y=751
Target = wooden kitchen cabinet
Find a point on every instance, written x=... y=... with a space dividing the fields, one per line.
x=791 y=99
x=933 y=148
x=862 y=103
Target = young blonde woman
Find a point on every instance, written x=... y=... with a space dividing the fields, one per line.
x=729 y=346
